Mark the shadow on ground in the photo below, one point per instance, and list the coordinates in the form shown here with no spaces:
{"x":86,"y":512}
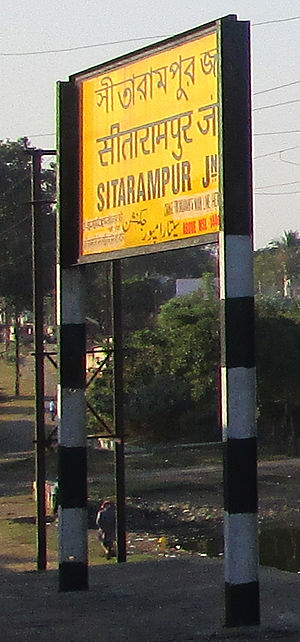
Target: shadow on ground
{"x":16,"y":410}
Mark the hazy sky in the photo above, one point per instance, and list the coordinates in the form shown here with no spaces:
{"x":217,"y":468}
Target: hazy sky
{"x":28,"y":81}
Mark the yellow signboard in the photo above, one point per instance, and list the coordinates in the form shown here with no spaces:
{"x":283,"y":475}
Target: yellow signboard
{"x":149,"y":149}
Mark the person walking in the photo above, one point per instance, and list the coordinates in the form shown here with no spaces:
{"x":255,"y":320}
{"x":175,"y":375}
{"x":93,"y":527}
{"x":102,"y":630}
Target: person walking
{"x":52,"y":409}
{"x":106,"y":522}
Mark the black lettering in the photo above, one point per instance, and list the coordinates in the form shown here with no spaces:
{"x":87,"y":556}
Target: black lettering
{"x":141,"y":195}
{"x":153,"y":184}
{"x":165,"y":179}
{"x":175,"y":173}
{"x":101,"y":202}
{"x":121,"y":198}
{"x":130,"y":190}
{"x":107,"y":196}
{"x":186,"y":178}
{"x":114,"y":184}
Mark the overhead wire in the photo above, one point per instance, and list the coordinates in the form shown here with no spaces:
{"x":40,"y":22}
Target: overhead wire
{"x":25,"y":256}
{"x":284,"y":85}
{"x":284,"y":160}
{"x":277,"y":185}
{"x":287,"y":84}
{"x":293,"y":18}
{"x":290,"y":131}
{"x":278,"y":151}
{"x":276,"y":193}
{"x":124,"y":41}
{"x":271,"y":22}
{"x":287,"y":102}
{"x":66,"y":49}
{"x":9,"y":229}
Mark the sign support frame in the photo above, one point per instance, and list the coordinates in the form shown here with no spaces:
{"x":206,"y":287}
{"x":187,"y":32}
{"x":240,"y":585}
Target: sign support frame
{"x":118,"y":397}
{"x":238,"y":404}
{"x":72,"y":441}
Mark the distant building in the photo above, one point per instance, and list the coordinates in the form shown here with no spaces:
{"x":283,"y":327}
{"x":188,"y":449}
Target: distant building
{"x":186,"y":286}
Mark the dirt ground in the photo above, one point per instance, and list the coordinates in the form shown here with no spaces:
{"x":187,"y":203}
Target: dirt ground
{"x":172,"y":509}
{"x":185,"y":516}
{"x":191,"y":514}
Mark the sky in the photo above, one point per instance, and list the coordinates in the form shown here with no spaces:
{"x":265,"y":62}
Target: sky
{"x":28,"y":78}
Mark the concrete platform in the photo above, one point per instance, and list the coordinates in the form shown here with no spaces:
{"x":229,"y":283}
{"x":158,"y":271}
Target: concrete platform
{"x":168,"y":600}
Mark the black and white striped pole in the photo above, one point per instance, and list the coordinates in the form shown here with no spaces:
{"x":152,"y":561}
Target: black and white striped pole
{"x":238,"y":407}
{"x":72,"y":454}
{"x":72,"y":466}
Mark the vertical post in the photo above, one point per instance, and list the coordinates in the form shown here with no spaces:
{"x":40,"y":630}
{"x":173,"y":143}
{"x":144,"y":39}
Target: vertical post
{"x":118,"y":408}
{"x":72,"y":455}
{"x":17,"y":356}
{"x":39,"y":357}
{"x":238,"y":404}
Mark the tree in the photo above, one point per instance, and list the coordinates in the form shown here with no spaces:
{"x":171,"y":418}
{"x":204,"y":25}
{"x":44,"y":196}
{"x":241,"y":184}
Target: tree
{"x":15,"y":225}
{"x":148,"y":281}
{"x":171,"y":374}
{"x":278,"y":265}
{"x":278,"y":372}
{"x":181,"y":263}
{"x":16,"y":233}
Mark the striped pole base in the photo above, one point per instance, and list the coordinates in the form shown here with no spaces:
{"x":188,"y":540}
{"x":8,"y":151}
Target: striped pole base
{"x":72,"y":452}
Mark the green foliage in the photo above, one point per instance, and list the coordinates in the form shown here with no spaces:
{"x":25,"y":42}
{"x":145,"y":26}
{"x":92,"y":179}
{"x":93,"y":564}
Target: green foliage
{"x":171,"y":361}
{"x":190,"y":326}
{"x":100,"y":396}
{"x":278,"y":261}
{"x":278,"y":369}
{"x":9,"y":356}
{"x":170,"y":374}
{"x":182,"y":263}
{"x":148,"y":281}
{"x":15,"y":225}
{"x":154,"y":408}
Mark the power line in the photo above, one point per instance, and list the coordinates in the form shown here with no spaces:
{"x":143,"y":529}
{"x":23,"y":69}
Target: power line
{"x":278,"y":185}
{"x":288,"y":102}
{"x":99,"y":44}
{"x":276,"y":193}
{"x":117,"y":42}
{"x":271,"y":22}
{"x":278,"y":151}
{"x":40,"y":135}
{"x":290,"y":131}
{"x":283,"y":160}
{"x":25,"y":256}
{"x":265,"y":91}
{"x":3,"y":234}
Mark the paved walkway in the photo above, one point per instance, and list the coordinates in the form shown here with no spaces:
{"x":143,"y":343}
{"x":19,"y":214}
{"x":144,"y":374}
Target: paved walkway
{"x":168,"y":600}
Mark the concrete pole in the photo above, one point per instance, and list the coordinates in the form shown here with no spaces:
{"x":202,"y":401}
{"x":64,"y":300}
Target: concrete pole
{"x":238,"y":403}
{"x":239,"y":434}
{"x":72,"y":456}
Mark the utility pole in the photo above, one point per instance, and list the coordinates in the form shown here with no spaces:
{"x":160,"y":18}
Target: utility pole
{"x":17,"y":356}
{"x":118,"y":402}
{"x":38,"y":313}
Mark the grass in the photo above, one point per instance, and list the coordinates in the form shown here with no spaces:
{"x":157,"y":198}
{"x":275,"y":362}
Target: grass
{"x":18,"y":532}
{"x":18,"y":537}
